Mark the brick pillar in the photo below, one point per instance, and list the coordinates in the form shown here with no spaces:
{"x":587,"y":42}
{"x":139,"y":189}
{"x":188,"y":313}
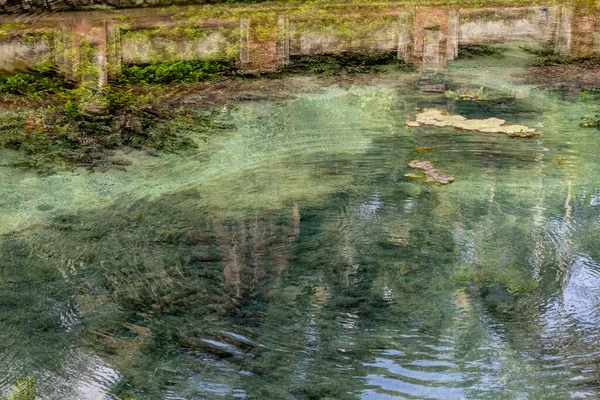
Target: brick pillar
{"x":431,"y":24}
{"x":452,"y":35}
{"x":562,"y":36}
{"x":431,"y":48}
{"x":584,"y":29}
{"x":264,"y":43}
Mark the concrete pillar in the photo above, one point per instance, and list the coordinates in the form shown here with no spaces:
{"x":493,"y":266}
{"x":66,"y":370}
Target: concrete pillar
{"x":431,"y":25}
{"x":406,"y":21}
{"x":283,"y":41}
{"x":453,"y":34}
{"x":431,"y":60}
{"x":244,"y":39}
{"x":562,"y":37}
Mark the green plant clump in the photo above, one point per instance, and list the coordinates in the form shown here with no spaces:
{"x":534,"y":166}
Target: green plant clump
{"x":347,"y":63}
{"x":546,"y":55}
{"x":23,"y":390}
{"x":31,"y":83}
{"x":180,"y":71}
{"x":50,"y":138}
{"x":487,"y":276}
{"x":591,"y":94}
{"x":591,"y":122}
{"x":478,"y":50}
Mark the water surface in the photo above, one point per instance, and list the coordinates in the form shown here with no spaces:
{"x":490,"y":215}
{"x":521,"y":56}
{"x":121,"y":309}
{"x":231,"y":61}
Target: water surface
{"x":289,"y":257}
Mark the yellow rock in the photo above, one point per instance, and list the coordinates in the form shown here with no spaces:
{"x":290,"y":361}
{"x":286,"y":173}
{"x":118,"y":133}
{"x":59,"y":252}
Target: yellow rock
{"x":441,"y":118}
{"x":432,"y":175}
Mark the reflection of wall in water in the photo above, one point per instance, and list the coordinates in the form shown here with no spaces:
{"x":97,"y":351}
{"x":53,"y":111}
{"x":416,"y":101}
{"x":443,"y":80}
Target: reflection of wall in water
{"x":18,"y":53}
{"x":264,"y":40}
{"x":334,"y":36}
{"x":497,"y":25}
{"x":147,"y":46}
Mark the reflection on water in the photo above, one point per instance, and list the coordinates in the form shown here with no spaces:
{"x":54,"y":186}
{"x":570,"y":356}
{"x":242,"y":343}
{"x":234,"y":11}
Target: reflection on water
{"x":288,"y":256}
{"x":265,"y":39}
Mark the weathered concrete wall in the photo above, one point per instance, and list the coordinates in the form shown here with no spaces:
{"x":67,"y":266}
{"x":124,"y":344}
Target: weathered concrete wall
{"x":145,"y":47}
{"x":18,"y":53}
{"x":308,"y":38}
{"x":263,"y":40}
{"x":496,"y":26}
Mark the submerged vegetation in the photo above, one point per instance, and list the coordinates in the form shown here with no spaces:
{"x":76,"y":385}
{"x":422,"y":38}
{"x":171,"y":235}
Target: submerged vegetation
{"x":86,"y":133}
{"x":591,"y":122}
{"x":179,"y":71}
{"x":467,"y":94}
{"x":66,"y":126}
{"x":348,"y":63}
{"x":24,"y":390}
{"x":547,"y":55}
{"x":589,"y":94}
{"x":32,"y":83}
{"x":481,"y":50}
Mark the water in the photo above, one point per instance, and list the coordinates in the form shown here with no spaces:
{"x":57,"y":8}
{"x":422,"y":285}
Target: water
{"x":289,"y":257}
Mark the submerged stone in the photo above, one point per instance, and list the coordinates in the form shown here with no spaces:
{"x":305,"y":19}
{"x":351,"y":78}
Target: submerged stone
{"x":441,"y":118}
{"x":45,"y":207}
{"x":431,"y":174}
{"x":410,"y":175}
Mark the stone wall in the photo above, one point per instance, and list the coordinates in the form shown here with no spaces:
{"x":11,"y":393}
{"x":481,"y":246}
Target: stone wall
{"x":139,"y":47}
{"x":18,"y":55}
{"x":24,"y":6}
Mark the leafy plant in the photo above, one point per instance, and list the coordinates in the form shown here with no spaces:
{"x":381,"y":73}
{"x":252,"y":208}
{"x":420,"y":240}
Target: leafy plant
{"x":23,"y":390}
{"x":591,"y":122}
{"x":31,"y":83}
{"x":180,"y":71}
{"x":547,"y":55}
{"x":590,"y":94}
{"x":478,"y":50}
{"x":347,"y":63}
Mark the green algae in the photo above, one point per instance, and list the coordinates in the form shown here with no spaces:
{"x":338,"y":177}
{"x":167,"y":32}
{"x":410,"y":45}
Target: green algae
{"x":547,"y":55}
{"x":52,"y":140}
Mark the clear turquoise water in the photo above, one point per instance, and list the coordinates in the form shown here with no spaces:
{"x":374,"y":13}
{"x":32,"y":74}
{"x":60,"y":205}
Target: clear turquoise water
{"x":288,"y":257}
